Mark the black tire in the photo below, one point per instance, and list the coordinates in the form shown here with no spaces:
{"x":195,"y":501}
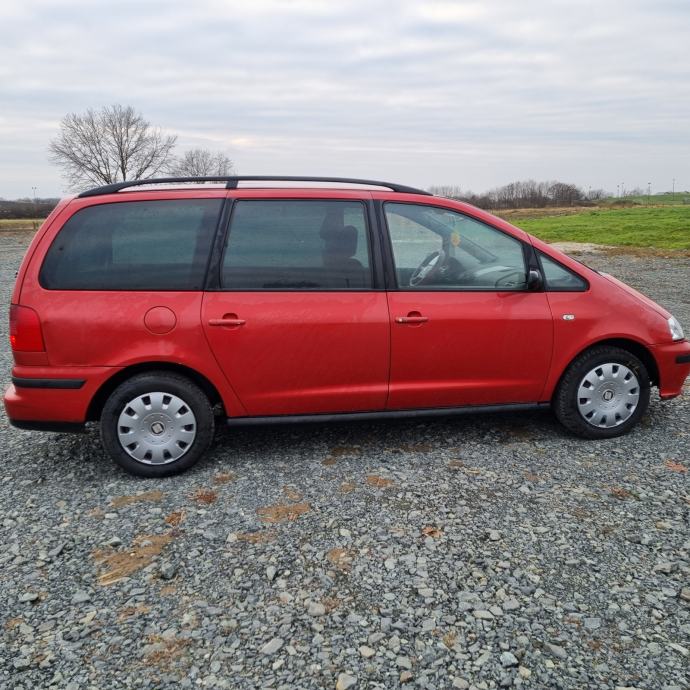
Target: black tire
{"x":167,"y":383}
{"x":565,"y":400}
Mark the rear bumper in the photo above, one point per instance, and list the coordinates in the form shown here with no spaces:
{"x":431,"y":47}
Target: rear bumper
{"x":50,"y":398}
{"x":63,"y":427}
{"x":673,"y":360}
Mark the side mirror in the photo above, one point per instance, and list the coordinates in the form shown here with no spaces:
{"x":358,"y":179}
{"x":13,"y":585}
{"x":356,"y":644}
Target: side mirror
{"x":534,"y":280}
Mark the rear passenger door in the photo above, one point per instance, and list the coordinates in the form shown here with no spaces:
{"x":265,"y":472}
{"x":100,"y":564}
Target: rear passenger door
{"x":295,"y":321}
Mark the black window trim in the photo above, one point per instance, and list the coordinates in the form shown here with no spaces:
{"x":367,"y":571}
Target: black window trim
{"x":391,"y":274}
{"x":209,"y":261}
{"x":215,"y":282}
{"x":538,"y":253}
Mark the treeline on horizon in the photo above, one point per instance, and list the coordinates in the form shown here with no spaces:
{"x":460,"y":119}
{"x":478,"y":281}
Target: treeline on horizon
{"x":521,"y":194}
{"x":26,"y":208}
{"x":526,"y":194}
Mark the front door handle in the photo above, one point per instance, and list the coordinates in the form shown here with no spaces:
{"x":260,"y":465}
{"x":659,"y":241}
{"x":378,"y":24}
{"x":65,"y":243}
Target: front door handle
{"x":412,"y":317}
{"x":228,"y":321}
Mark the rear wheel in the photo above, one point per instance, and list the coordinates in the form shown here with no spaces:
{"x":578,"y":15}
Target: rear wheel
{"x":157,"y":424}
{"x":603,"y":393}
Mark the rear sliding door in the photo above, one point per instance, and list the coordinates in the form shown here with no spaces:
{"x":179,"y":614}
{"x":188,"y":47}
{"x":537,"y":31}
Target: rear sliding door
{"x":296,"y":326}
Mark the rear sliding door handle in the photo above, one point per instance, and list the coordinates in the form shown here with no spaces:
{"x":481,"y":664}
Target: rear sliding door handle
{"x":227,"y":322}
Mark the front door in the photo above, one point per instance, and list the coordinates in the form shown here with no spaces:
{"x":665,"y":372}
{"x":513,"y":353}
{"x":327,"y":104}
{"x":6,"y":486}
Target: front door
{"x":465,"y":330}
{"x":296,"y":326}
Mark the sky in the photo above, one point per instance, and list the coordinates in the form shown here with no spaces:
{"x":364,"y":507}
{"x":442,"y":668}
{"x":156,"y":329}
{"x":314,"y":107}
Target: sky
{"x":473,"y":94}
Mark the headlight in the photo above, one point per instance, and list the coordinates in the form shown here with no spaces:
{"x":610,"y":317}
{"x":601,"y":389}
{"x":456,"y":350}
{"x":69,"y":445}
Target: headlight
{"x":676,"y":329}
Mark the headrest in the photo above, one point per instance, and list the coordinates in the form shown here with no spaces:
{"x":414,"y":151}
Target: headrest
{"x":340,"y":242}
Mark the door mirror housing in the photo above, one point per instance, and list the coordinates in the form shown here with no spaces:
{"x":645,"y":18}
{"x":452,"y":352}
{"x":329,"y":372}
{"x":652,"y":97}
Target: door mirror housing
{"x":534,"y":280}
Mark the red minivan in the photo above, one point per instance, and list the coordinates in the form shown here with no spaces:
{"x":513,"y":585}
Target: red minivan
{"x":156,"y":306}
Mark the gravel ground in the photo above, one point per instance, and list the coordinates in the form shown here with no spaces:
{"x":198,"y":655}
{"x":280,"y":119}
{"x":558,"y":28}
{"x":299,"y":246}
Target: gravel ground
{"x":485,"y":551}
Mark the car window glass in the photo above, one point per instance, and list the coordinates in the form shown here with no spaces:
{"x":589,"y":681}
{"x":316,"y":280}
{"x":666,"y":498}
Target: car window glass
{"x":558,"y":278}
{"x":297,"y":244}
{"x":133,"y":245}
{"x":434,"y":248}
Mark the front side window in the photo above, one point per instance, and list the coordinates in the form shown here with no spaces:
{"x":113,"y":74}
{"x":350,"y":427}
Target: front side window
{"x":133,"y":245}
{"x":558,"y":278}
{"x":435,"y":248}
{"x":297,"y":245}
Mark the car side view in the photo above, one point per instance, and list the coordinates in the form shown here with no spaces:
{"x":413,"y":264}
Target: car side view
{"x":159,"y":307}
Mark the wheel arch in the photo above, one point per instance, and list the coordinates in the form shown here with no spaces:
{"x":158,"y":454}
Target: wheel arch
{"x":95,"y":408}
{"x":633,"y":346}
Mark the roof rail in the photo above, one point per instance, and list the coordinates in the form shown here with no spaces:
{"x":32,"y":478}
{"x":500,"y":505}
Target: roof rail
{"x":232,"y":183}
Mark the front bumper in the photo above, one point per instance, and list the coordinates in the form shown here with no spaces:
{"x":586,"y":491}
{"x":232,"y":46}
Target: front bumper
{"x":673,"y":361}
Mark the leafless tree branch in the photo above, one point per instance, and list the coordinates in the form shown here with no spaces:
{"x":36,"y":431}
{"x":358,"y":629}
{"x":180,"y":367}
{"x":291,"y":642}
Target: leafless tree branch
{"x":200,"y":163}
{"x":110,"y":145}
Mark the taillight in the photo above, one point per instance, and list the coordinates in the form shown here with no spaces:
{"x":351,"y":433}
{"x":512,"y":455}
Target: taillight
{"x":25,"y":330}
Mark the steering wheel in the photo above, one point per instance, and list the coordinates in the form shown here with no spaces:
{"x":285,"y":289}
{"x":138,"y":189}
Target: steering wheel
{"x":429,"y":268}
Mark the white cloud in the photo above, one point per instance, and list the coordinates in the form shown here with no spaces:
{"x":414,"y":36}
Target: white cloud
{"x":424,"y":92}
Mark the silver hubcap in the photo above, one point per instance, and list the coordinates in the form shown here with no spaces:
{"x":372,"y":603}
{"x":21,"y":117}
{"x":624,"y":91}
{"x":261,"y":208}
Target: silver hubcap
{"x":156,"y":428}
{"x":608,"y":395}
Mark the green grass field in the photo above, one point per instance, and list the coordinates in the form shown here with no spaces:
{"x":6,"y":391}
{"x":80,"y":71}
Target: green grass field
{"x":660,"y":227}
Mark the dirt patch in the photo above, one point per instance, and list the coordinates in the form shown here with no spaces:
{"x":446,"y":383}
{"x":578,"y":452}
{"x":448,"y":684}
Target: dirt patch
{"x":175,"y":518}
{"x":675,"y":466}
{"x":292,"y":494}
{"x":282,"y":512}
{"x":610,"y":250}
{"x":166,"y":650}
{"x":132,"y":612}
{"x":224,"y":478}
{"x":379,"y":482}
{"x":115,"y":565}
{"x":205,"y":496}
{"x":581,"y":247}
{"x":340,"y":559}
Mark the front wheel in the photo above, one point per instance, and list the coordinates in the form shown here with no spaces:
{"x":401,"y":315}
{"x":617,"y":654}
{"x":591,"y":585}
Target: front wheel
{"x":603,"y":393}
{"x":157,"y":424}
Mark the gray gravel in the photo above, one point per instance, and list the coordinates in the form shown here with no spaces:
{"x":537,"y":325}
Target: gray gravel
{"x":477,"y":552}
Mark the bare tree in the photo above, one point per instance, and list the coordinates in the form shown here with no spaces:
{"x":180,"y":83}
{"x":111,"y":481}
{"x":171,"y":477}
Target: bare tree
{"x":524,"y":194}
{"x":447,"y":190}
{"x":109,"y":145}
{"x":200,"y":163}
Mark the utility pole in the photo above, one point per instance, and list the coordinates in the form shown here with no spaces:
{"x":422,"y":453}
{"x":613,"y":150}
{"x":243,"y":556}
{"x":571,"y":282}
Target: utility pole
{"x":33,"y":191}
{"x":649,"y":193}
{"x":673,"y":191}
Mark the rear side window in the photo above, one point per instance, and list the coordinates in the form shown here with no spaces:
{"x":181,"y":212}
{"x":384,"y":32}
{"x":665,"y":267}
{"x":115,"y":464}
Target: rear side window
{"x":297,"y":245}
{"x":133,"y":245}
{"x":560,"y":279}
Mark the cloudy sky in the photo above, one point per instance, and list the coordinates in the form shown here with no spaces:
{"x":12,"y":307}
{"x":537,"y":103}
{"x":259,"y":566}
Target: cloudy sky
{"x":423,"y":92}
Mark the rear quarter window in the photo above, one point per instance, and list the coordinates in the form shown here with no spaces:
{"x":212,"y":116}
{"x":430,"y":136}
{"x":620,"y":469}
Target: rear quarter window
{"x":137,"y":245}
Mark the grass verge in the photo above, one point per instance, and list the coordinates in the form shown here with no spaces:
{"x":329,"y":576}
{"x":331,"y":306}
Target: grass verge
{"x":20,"y":223}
